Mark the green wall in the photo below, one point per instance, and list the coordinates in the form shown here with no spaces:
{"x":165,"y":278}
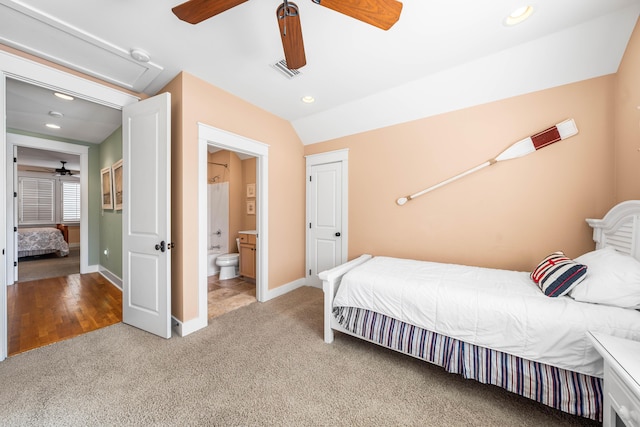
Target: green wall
{"x":110,"y":220}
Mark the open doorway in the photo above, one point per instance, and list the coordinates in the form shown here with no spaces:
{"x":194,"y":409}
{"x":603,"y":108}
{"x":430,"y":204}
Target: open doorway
{"x":48,"y":181}
{"x":210,"y":136}
{"x":231,"y":231}
{"x":16,"y":67}
{"x":48,"y":219}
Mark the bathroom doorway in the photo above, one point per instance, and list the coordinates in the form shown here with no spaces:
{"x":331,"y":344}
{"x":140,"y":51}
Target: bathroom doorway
{"x":209,"y":135}
{"x":231,"y":230}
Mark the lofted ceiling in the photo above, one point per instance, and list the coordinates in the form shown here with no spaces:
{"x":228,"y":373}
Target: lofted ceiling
{"x":440,"y":56}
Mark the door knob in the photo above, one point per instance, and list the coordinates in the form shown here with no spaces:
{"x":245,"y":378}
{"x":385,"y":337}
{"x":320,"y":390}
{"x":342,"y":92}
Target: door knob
{"x":338,"y":234}
{"x":160,"y":247}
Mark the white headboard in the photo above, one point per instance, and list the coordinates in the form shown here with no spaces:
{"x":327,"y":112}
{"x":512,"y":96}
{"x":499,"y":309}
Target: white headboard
{"x":620,"y":228}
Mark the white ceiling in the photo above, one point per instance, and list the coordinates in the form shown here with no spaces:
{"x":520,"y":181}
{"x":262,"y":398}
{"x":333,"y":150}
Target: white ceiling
{"x":442,"y":55}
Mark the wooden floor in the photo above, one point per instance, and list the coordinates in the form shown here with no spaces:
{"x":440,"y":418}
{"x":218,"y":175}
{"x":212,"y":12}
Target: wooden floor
{"x":45,"y":311}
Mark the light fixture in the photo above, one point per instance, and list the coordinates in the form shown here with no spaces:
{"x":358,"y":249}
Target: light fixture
{"x":52,"y":126}
{"x":308,"y":99}
{"x":518,"y":15}
{"x":56,"y":114}
{"x":139,"y":55}
{"x":64,"y":96}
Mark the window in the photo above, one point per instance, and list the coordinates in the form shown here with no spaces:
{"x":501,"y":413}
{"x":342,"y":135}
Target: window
{"x":48,"y":200}
{"x":70,"y":201}
{"x":36,"y":202}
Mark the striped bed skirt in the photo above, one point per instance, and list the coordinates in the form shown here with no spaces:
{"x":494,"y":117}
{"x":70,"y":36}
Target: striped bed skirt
{"x":568,"y":391}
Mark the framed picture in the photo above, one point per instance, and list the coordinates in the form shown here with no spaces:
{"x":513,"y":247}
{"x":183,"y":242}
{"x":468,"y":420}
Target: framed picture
{"x":251,"y":207}
{"x":107,"y":193}
{"x":251,"y":190}
{"x":116,"y":170}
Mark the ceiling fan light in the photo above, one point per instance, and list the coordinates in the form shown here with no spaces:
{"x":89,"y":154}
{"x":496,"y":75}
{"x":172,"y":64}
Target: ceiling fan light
{"x":518,"y":15}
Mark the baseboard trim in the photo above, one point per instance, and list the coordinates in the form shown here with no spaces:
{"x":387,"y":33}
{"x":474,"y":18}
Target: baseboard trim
{"x":95,"y":268}
{"x":115,"y":280}
{"x":284,"y":289}
{"x":190,"y":326}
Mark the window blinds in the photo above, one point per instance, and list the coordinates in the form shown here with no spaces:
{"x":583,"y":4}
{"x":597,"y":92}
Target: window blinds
{"x":70,"y":201}
{"x":36,"y":201}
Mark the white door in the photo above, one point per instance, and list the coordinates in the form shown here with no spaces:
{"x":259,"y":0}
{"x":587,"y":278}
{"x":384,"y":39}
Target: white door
{"x":15,"y":214}
{"x":325,"y":219}
{"x":146,"y":217}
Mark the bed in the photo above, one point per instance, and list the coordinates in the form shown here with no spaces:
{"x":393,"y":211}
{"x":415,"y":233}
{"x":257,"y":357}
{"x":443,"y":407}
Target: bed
{"x":500,"y":327}
{"x":43,"y":240}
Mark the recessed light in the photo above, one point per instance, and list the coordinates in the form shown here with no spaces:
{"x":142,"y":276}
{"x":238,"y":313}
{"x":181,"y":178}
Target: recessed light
{"x":52,"y":126}
{"x":56,"y":114}
{"x":308,"y":99}
{"x":518,"y":15}
{"x":64,"y":96}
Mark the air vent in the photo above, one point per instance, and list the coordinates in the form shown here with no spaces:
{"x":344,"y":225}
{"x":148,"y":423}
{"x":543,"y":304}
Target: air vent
{"x":281,"y":66}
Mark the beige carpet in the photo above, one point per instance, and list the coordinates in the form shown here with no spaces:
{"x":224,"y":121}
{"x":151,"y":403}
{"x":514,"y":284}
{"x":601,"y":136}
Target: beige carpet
{"x":49,"y":265}
{"x":263,"y":364}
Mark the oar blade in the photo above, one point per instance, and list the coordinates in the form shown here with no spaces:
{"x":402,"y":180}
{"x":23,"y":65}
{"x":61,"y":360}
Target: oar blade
{"x":562,"y":130}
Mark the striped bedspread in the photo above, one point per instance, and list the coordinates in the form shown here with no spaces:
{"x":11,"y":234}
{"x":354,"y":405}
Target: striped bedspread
{"x":568,"y":391}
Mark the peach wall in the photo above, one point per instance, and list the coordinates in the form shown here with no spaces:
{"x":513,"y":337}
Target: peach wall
{"x":177,"y":218}
{"x":248,"y":177}
{"x":627,"y":122}
{"x":509,"y":215}
{"x":236,"y":200}
{"x":74,"y":234}
{"x":221,"y":156}
{"x":202,"y":102}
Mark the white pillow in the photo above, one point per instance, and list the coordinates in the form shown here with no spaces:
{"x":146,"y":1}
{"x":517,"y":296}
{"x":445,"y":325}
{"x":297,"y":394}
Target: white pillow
{"x":612,"y":278}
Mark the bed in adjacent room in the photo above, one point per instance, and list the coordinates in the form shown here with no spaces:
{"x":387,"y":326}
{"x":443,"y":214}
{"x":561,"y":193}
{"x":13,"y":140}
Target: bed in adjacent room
{"x":43,"y":240}
{"x":523,"y":331}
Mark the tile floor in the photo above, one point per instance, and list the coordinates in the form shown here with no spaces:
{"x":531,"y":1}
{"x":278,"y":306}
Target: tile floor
{"x":227,"y":295}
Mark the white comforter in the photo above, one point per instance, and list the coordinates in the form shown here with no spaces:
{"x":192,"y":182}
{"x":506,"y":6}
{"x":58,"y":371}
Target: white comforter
{"x":499,"y":309}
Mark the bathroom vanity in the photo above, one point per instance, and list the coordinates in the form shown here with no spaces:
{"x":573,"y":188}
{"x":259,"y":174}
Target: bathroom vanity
{"x":248,"y":253}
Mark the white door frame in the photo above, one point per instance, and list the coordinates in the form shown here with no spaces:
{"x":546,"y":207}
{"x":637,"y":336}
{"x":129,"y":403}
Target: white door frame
{"x":321,"y":159}
{"x":208,"y":135}
{"x":39,"y":74}
{"x":15,"y":140}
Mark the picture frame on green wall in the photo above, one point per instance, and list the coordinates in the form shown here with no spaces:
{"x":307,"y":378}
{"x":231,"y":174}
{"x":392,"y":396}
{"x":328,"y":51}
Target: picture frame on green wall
{"x":106,"y":187}
{"x":117,"y":185}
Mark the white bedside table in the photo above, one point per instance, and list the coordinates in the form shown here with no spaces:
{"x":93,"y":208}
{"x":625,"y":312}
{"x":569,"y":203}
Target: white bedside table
{"x":621,"y":379}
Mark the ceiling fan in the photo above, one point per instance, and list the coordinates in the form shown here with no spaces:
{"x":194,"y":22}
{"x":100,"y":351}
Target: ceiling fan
{"x":379,"y":13}
{"x":63,"y":171}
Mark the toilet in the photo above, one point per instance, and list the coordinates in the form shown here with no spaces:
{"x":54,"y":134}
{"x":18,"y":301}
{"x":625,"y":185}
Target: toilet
{"x":228,"y":264}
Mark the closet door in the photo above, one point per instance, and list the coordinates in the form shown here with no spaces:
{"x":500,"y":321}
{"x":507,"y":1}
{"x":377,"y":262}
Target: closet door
{"x":326,"y":214}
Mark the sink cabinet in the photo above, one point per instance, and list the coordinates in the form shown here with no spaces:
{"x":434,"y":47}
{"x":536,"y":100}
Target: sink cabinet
{"x":248,"y":255}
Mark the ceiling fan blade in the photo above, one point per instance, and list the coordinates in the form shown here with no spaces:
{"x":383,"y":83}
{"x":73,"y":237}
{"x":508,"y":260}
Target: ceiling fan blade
{"x":291,"y":35}
{"x":379,"y":13}
{"x":195,"y":11}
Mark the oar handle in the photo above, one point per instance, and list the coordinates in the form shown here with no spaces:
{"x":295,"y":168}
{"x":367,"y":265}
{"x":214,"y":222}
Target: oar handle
{"x":402,"y":200}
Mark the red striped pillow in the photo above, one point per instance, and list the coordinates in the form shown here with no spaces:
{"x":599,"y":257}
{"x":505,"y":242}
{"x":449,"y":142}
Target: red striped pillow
{"x":557,"y":274}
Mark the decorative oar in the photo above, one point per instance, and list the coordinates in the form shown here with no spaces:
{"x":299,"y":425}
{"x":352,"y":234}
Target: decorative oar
{"x":521,"y":148}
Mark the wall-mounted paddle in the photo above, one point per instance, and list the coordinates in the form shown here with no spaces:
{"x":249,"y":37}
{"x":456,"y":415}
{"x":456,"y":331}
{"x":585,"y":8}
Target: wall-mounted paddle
{"x":521,"y":148}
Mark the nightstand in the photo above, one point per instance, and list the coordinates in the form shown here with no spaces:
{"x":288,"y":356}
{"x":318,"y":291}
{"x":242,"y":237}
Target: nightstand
{"x":621,"y":379}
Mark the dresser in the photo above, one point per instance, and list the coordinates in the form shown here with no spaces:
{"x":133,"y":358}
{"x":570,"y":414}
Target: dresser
{"x":621,"y":379}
